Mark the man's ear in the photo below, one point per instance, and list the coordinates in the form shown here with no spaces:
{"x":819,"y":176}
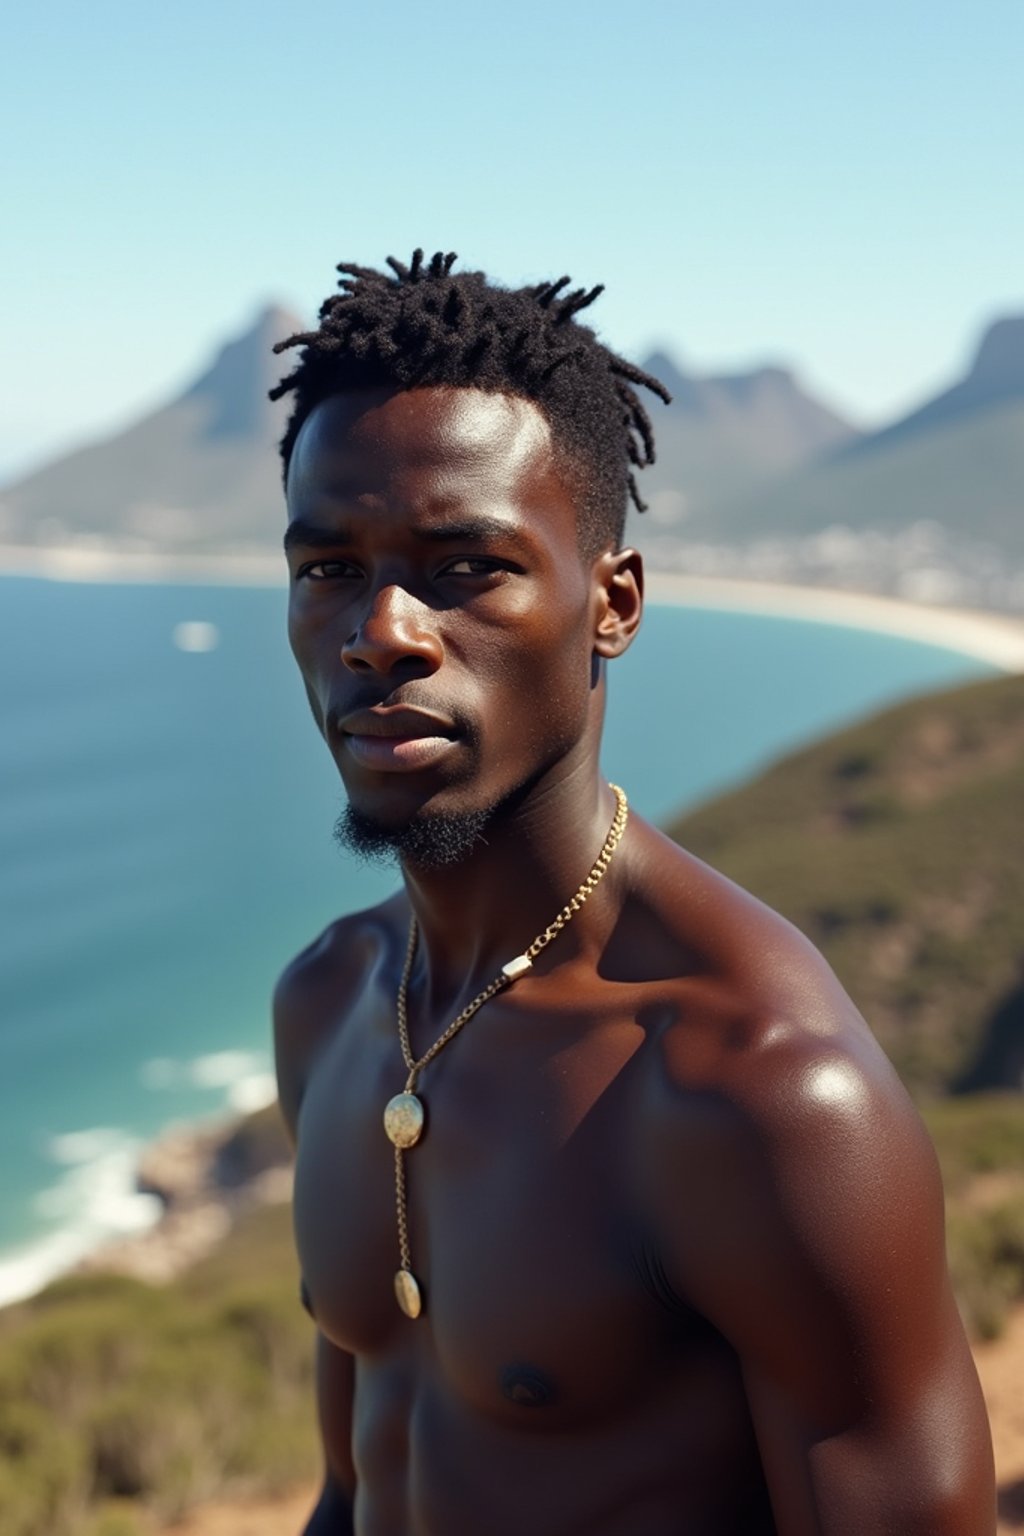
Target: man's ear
{"x":619,"y":600}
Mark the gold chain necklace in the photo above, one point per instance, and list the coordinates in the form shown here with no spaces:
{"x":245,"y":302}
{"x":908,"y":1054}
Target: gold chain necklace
{"x":404,"y":1117}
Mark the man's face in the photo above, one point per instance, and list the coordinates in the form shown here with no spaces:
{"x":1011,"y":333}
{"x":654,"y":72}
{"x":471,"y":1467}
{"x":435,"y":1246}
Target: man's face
{"x":441,"y":612}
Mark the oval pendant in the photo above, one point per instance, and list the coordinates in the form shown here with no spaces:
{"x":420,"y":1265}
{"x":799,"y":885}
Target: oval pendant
{"x":407,"y":1293}
{"x":404,"y":1119}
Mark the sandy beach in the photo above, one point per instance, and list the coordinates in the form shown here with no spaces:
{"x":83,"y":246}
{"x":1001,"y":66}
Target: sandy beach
{"x":991,"y":637}
{"x":997,"y":639}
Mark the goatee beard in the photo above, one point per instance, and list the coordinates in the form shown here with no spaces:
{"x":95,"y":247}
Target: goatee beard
{"x":426,"y":841}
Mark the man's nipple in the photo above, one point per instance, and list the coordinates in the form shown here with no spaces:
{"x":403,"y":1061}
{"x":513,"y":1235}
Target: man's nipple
{"x":527,"y":1387}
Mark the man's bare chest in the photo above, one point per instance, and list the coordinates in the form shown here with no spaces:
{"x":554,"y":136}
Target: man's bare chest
{"x":524,"y":1229}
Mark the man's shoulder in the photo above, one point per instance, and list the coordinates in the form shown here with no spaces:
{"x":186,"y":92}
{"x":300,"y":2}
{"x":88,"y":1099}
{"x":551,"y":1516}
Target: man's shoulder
{"x":723,"y":942}
{"x":338,"y":958}
{"x":775,"y":1126}
{"x":760,"y":1024}
{"x":318,"y":989}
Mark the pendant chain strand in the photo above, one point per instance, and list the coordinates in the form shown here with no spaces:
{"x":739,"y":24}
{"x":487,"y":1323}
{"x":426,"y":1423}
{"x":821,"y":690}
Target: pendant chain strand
{"x":404,"y":1117}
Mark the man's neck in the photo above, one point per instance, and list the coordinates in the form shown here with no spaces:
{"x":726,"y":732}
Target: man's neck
{"x":476,"y":915}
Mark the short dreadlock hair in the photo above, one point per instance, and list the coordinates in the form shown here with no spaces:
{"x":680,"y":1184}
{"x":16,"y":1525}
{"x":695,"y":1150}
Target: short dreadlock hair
{"x":420,"y":325}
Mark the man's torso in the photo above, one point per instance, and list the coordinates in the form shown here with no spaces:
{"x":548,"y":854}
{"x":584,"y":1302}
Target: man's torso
{"x":557,"y":1381}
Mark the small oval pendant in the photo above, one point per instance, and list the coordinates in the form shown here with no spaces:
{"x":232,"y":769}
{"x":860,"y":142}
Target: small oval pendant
{"x":403,"y":1120}
{"x":407,"y":1293}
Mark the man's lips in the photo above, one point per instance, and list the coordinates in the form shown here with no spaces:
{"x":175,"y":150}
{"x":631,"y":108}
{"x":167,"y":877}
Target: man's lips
{"x":395,"y":738}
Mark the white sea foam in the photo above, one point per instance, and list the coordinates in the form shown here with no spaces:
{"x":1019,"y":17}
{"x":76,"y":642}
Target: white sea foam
{"x":221,"y":1069}
{"x":84,"y":1146}
{"x":94,"y":1200}
{"x":253,"y":1092}
{"x":243,"y":1077}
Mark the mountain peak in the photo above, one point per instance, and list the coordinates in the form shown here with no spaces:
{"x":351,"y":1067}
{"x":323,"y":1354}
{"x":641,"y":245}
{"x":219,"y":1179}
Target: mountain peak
{"x":235,"y":385}
{"x":999,"y":360}
{"x":995,"y":376}
{"x":664,"y":367}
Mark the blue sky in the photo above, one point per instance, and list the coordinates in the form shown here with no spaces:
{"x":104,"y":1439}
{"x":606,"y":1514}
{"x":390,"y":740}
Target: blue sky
{"x":835,"y":187}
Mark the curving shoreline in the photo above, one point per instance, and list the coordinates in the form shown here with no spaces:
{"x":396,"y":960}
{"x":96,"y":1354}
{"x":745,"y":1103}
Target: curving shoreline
{"x":196,"y":1179}
{"x":990,"y":637}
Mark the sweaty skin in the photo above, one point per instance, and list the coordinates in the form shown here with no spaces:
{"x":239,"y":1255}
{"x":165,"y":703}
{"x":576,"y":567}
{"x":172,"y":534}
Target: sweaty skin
{"x":678,"y":1228}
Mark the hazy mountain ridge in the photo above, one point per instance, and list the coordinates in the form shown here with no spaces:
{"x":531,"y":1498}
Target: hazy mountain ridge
{"x":198,"y":474}
{"x":727,"y":433}
{"x":995,"y":378}
{"x":929,"y":507}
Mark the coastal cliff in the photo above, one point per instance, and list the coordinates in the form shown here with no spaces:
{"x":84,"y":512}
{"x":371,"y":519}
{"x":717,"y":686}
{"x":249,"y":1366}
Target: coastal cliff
{"x":207,"y":1178}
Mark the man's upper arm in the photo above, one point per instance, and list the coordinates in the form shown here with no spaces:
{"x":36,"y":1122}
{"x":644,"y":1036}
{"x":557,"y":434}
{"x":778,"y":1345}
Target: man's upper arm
{"x":290,"y":1042}
{"x":335,"y":1383}
{"x":817,"y":1249}
{"x":310,"y":999}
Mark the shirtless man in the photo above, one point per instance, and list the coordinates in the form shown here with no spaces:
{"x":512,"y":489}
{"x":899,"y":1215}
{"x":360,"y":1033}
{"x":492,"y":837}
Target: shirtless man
{"x":670,"y":1245}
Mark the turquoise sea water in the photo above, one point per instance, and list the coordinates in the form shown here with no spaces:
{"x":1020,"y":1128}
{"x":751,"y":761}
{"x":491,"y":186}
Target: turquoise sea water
{"x":165,"y":820}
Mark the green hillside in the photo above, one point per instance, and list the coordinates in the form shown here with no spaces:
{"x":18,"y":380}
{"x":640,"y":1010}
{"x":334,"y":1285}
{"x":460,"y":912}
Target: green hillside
{"x":123,"y":1404}
{"x":896,"y":846}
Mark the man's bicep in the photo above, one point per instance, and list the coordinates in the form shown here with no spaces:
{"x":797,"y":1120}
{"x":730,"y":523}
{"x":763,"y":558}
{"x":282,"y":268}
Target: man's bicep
{"x":823,"y":1264}
{"x":924,"y":1469}
{"x":335,"y":1383}
{"x":305,"y":997}
{"x":286,"y":1015}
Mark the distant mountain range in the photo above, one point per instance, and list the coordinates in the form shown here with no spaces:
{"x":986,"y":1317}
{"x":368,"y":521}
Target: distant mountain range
{"x":929,"y":507}
{"x":724,"y":434}
{"x":754,"y":477}
{"x":199,"y":475}
{"x":957,"y":461}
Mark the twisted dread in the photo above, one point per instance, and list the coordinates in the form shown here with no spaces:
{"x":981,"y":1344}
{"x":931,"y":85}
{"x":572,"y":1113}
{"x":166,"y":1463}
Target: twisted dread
{"x":418,"y":325}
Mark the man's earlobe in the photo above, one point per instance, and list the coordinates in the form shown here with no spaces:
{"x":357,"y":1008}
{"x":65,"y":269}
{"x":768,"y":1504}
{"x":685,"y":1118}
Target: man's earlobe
{"x":619,"y":596}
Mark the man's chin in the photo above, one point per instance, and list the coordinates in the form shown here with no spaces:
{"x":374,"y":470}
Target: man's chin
{"x":427,"y":840}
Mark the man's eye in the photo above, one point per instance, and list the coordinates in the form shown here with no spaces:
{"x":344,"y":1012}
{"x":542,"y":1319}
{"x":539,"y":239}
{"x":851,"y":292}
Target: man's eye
{"x":470,"y":565}
{"x":328,"y":570}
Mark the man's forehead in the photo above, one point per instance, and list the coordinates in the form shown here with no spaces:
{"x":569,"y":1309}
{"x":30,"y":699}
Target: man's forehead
{"x":436,"y":425}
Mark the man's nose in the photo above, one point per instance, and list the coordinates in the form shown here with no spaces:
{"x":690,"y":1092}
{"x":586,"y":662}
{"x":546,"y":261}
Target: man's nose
{"x":396,"y":629}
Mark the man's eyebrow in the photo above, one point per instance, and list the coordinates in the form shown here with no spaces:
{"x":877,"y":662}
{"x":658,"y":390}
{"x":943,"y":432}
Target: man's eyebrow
{"x":299,"y":531}
{"x":470,"y":530}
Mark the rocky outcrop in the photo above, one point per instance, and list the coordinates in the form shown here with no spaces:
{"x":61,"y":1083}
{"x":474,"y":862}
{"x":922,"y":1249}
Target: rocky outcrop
{"x":205,"y":1178}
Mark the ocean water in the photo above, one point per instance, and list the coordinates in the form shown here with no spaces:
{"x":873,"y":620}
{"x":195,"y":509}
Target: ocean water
{"x":165,"y":817}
